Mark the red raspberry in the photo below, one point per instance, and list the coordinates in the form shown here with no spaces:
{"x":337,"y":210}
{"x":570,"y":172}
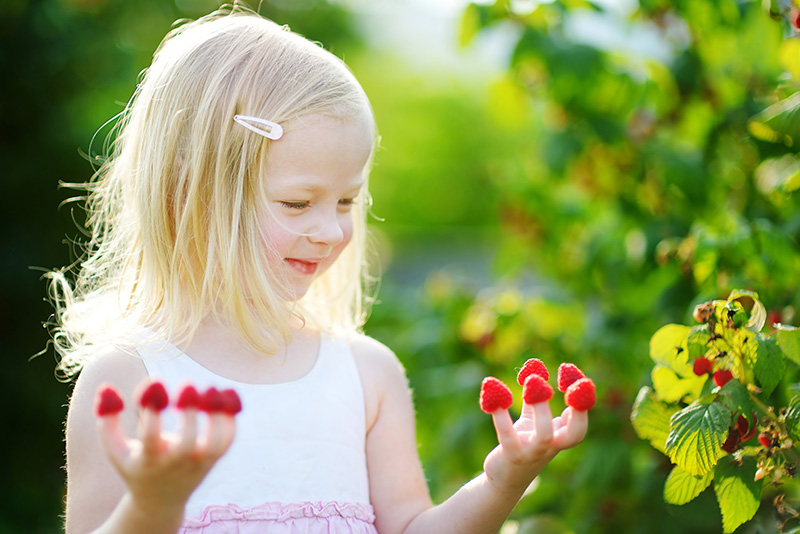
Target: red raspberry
{"x":722,"y":377}
{"x":188,"y":398}
{"x":154,"y":397}
{"x":532,"y":366}
{"x":765,"y":440}
{"x":567,"y":374}
{"x":211,"y":401}
{"x":231,"y":404}
{"x":536,"y":390}
{"x":495,"y":395}
{"x":732,"y":443}
{"x":746,"y":431}
{"x":580,"y":395}
{"x":702,"y":366}
{"x":107,"y":401}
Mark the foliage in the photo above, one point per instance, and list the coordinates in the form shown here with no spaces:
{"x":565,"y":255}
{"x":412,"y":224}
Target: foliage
{"x":715,"y":386}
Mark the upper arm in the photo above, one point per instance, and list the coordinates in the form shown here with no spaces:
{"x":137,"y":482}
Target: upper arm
{"x":398,"y":489}
{"x":93,"y":486}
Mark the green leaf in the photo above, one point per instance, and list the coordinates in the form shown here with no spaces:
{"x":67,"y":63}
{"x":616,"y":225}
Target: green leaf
{"x":769,"y":365}
{"x":739,"y":399}
{"x":793,"y":419}
{"x":779,"y":122}
{"x":470,"y":25}
{"x":696,"y":435}
{"x":681,"y":487}
{"x":650,"y":418}
{"x":672,"y":388}
{"x":789,"y":342}
{"x":668,"y":348}
{"x":758,"y":314}
{"x":738,"y":494}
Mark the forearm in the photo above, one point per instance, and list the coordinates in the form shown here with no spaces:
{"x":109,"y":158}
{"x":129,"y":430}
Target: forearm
{"x":130,"y":517}
{"x":479,"y":507}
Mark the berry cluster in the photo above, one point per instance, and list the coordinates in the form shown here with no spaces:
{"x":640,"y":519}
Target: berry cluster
{"x":154,"y":397}
{"x":579,"y":391}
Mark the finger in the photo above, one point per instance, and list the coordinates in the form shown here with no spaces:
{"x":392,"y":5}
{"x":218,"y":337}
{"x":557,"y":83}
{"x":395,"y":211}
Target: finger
{"x":113,"y":438}
{"x":219,"y":434}
{"x":187,"y":441}
{"x":543,"y":423}
{"x":573,"y":432}
{"x":504,"y":427}
{"x":150,"y":431}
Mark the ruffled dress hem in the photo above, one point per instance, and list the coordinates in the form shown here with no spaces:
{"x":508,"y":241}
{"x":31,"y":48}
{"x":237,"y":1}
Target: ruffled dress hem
{"x":331,"y":517}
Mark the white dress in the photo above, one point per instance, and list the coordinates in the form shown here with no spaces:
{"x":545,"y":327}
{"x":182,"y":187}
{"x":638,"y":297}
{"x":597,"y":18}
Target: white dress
{"x":298,"y":461}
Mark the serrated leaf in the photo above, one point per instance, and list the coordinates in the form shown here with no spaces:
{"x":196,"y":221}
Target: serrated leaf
{"x":650,"y":418}
{"x":671,"y":388}
{"x":697,"y":342}
{"x":738,"y":494}
{"x":668,"y":348}
{"x":681,"y":487}
{"x":696,"y":435}
{"x":769,"y":364}
{"x":789,"y":342}
{"x":793,"y":419}
{"x":739,"y":400}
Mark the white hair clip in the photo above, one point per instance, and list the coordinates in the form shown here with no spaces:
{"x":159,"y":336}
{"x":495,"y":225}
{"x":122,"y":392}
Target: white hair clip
{"x":273,"y":130}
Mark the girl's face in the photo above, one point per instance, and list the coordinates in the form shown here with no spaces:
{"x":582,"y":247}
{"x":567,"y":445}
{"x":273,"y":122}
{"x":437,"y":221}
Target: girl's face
{"x":314,"y":174}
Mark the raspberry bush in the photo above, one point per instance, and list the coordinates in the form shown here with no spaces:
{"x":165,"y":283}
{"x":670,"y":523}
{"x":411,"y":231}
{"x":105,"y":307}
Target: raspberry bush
{"x":703,"y":414}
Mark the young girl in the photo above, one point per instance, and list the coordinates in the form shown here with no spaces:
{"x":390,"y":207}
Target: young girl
{"x":228,"y":237}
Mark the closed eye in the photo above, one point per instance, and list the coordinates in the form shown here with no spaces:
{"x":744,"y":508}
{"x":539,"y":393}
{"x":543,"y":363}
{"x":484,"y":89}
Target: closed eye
{"x":347,"y":202}
{"x":295,"y":205}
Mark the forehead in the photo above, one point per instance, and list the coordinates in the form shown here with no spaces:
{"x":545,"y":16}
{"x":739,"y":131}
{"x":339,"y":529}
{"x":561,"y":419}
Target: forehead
{"x":319,"y":151}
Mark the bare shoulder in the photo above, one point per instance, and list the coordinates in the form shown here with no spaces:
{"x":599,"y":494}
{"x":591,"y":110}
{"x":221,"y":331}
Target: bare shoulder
{"x":381,"y":373}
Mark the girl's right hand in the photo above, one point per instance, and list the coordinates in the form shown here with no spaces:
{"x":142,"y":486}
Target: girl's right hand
{"x":161,"y":470}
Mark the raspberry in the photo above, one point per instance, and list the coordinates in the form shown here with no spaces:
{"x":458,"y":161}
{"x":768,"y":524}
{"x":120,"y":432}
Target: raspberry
{"x":495,"y":395}
{"x":532,"y":366}
{"x":567,"y":374}
{"x":765,"y":440}
{"x":536,"y":390}
{"x":231,"y":404}
{"x":211,"y":401}
{"x":722,"y":377}
{"x":746,"y":432}
{"x":702,"y":366}
{"x":732,"y":443}
{"x":580,"y":395}
{"x":188,"y":398}
{"x":154,"y":397}
{"x":107,"y":401}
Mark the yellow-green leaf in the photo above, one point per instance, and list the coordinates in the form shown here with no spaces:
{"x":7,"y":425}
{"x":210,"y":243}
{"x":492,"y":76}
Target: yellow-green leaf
{"x":738,"y":494}
{"x":671,"y":388}
{"x":650,"y":418}
{"x":681,"y":487}
{"x":668,"y":348}
{"x":696,"y":435}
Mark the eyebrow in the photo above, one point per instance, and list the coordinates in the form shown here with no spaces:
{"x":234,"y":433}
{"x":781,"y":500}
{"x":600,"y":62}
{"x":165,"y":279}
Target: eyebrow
{"x":313,"y":188}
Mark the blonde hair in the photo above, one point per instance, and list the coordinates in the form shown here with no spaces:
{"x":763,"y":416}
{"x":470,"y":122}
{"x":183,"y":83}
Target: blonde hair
{"x":174,"y":210}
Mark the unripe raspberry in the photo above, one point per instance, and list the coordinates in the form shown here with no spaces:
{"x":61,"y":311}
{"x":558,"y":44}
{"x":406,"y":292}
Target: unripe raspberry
{"x":702,"y":366}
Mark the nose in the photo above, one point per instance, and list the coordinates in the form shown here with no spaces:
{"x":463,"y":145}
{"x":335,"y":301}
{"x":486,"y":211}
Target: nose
{"x":330,"y":229}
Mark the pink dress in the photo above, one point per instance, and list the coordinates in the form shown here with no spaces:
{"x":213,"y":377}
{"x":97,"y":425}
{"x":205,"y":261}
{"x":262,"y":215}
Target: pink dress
{"x":298,"y":462}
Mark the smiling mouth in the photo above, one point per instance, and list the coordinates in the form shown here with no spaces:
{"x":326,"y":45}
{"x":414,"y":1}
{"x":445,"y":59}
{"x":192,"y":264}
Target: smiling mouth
{"x":302,"y":266}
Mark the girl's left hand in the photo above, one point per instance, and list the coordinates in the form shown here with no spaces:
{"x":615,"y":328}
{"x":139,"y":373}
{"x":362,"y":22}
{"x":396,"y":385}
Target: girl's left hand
{"x":527,"y":445}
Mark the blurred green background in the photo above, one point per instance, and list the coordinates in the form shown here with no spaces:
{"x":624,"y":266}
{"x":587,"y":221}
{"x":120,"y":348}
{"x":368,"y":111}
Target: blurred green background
{"x":556,"y":179}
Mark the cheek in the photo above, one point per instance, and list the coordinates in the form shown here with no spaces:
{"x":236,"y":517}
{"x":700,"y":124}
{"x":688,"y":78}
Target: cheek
{"x":277,"y":237}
